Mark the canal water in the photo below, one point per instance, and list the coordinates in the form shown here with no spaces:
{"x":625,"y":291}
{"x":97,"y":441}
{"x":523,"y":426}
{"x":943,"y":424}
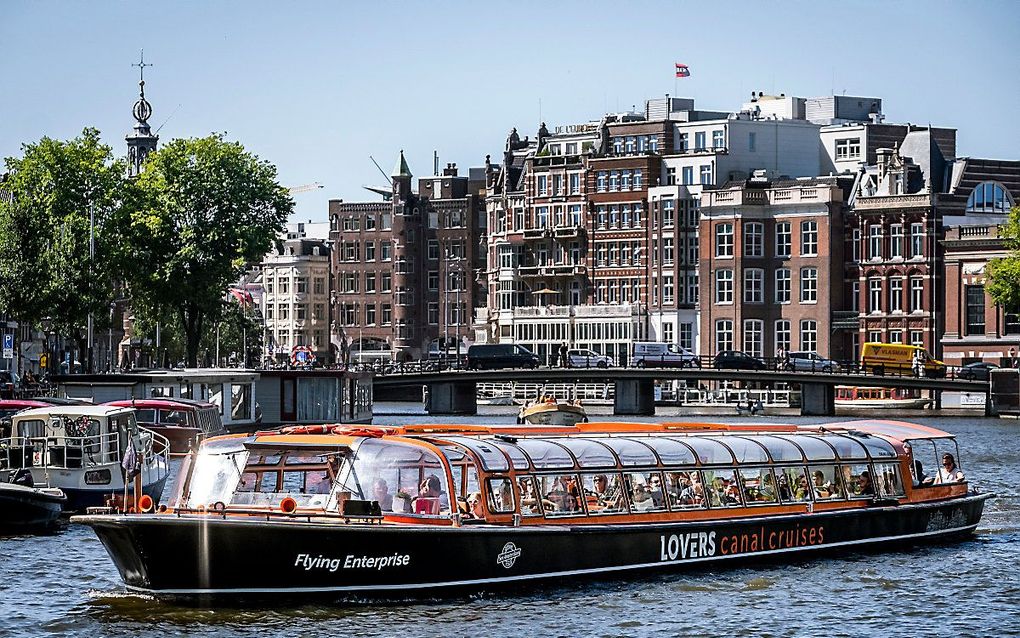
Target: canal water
{"x":65,"y":585}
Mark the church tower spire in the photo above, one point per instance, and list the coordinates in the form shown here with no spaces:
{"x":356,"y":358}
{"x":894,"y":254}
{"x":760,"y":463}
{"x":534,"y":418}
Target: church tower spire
{"x":140,"y":141}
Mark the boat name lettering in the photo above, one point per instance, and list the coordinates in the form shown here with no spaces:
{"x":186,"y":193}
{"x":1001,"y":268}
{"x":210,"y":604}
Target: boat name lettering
{"x":309,"y":562}
{"x":765,"y":539}
{"x":689,"y":545}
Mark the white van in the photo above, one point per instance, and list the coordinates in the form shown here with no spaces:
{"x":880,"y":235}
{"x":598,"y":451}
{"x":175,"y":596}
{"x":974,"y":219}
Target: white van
{"x":653,"y":354}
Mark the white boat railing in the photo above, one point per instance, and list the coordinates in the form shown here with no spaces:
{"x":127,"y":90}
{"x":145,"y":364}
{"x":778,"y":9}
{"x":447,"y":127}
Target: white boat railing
{"x":682,"y":395}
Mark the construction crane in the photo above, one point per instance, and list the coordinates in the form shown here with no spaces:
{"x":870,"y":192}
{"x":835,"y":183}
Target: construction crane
{"x":304,"y":188}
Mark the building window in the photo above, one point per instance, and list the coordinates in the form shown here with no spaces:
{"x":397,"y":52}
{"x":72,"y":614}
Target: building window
{"x":753,"y":329}
{"x":683,"y":142}
{"x":614,"y":180}
{"x":1011,"y":323}
{"x":754,"y":239}
{"x":433,"y":317}
{"x":387,"y":314}
{"x":784,"y":239}
{"x":752,"y":142}
{"x":808,"y":335}
{"x":724,"y":286}
{"x":808,"y":285}
{"x":433,"y":280}
{"x":855,"y":244}
{"x":575,"y":183}
{"x":667,"y":331}
{"x":975,"y":310}
{"x":687,"y":335}
{"x":754,"y":285}
{"x":896,"y":241}
{"x":667,"y":212}
{"x":433,"y":248}
{"x":896,"y":337}
{"x":874,"y":295}
{"x":783,"y":285}
{"x":699,"y":141}
{"x":989,"y":197}
{"x":369,"y":282}
{"x":848,"y":149}
{"x":809,"y":238}
{"x":600,"y":182}
{"x":637,"y":180}
{"x":718,"y":139}
{"x":783,"y":335}
{"x":723,"y":334}
{"x":917,"y":338}
{"x":895,"y":295}
{"x":875,"y":336}
{"x":687,"y":175}
{"x":916,"y":240}
{"x":385,"y":250}
{"x":916,"y":294}
{"x":387,"y":282}
{"x":667,"y":289}
{"x":370,"y":314}
{"x":855,"y":296}
{"x":543,"y":185}
{"x":667,"y":251}
{"x":706,"y":174}
{"x":724,"y":240}
{"x":874,"y":241}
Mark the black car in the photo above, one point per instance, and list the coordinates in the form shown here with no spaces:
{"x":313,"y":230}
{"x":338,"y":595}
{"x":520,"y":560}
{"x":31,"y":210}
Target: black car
{"x":977,"y":371}
{"x":736,"y":360}
{"x":500,"y":355}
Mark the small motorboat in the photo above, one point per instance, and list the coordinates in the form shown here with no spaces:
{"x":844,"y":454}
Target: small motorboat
{"x":548,"y":410}
{"x":27,"y":508}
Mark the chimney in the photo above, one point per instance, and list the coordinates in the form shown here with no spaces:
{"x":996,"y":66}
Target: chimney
{"x":450,"y":170}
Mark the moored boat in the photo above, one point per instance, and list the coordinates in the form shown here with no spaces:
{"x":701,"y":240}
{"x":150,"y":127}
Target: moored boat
{"x":24,"y":507}
{"x":91,"y":453}
{"x":879,"y":398}
{"x":548,"y":410}
{"x":183,"y":422}
{"x":368,"y":510}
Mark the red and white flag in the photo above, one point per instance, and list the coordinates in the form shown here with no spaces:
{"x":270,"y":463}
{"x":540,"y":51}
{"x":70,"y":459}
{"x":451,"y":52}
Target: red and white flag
{"x":682,"y":71}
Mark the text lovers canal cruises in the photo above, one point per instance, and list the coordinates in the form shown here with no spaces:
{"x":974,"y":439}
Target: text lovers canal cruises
{"x":336,"y":509}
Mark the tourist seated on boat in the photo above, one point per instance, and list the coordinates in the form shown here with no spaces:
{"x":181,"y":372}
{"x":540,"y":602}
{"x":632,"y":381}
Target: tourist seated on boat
{"x":429,"y":496}
{"x":949,"y":473}
{"x":602,"y":494}
{"x":864,"y":484}
{"x":655,"y":491}
{"x":641,"y":499}
{"x":323,"y":483}
{"x":801,"y":489}
{"x":564,"y":494}
{"x":381,"y":493}
{"x":474,"y":502}
{"x":920,"y":478}
{"x":822,"y":487}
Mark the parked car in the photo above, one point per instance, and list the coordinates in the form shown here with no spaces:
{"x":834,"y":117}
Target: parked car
{"x":977,"y":371}
{"x":500,"y":355}
{"x":736,"y":360}
{"x":588,"y":359}
{"x":810,"y":362}
{"x":663,"y":355}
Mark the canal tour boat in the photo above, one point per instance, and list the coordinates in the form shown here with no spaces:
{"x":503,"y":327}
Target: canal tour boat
{"x":184,"y":422}
{"x":347,"y":510}
{"x":879,"y":398}
{"x":92,"y":453}
{"x":548,"y":410}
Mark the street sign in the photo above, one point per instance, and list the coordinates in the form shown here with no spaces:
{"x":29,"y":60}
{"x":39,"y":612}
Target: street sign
{"x":8,"y":345}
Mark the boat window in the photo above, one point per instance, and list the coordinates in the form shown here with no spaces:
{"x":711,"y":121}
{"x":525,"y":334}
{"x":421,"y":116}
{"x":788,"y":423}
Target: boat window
{"x":671,"y":451}
{"x":794,"y":484}
{"x":858,"y":480}
{"x":517,"y":457}
{"x":545,"y":454}
{"x":415,"y":472}
{"x":171,"y":417}
{"x":887,"y":480}
{"x":779,"y":449}
{"x":745,"y":450}
{"x":645,"y":491}
{"x":307,"y":477}
{"x":31,"y":429}
{"x":589,"y":453}
{"x":685,"y":490}
{"x":709,"y":451}
{"x":501,"y":495}
{"x":531,"y":503}
{"x":215,"y":473}
{"x":492,"y":459}
{"x":603,"y":493}
{"x":722,"y":488}
{"x":145,"y":415}
{"x":759,"y":485}
{"x":630,"y":452}
{"x":825,"y":482}
{"x":846,"y":447}
{"x":561,"y":495}
{"x":877,"y":448}
{"x":814,"y":449}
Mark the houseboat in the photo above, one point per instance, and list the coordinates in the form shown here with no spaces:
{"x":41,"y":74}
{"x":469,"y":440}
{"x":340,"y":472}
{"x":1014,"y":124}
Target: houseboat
{"x":879,"y":398}
{"x":415,"y":509}
{"x":91,"y":453}
{"x":183,"y":422}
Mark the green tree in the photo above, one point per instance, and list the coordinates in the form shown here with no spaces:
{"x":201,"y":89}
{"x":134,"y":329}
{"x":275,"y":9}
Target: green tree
{"x":1003,"y":274}
{"x":208,"y":209}
{"x":45,"y":269}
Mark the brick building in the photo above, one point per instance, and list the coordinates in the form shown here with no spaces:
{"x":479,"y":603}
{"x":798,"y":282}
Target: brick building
{"x":405,"y":269}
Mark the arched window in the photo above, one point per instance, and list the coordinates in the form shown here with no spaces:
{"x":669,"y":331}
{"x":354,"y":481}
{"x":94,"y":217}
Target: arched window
{"x":989,"y":197}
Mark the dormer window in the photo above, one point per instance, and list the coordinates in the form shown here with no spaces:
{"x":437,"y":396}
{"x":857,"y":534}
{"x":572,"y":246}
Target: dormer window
{"x":989,"y":197}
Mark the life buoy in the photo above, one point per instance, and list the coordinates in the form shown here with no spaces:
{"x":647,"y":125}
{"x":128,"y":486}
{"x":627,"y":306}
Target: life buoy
{"x":369,"y":432}
{"x":288,"y":505}
{"x":145,"y":503}
{"x":307,"y":429}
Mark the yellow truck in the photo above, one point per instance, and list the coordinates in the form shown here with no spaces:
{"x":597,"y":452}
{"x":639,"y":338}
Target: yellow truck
{"x":879,"y":358}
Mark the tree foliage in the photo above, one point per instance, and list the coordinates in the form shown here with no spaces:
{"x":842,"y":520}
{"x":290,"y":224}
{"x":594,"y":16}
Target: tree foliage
{"x":207,"y":209}
{"x":1003,"y":275}
{"x":45,"y":269}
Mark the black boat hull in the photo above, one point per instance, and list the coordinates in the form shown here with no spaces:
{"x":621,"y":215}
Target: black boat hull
{"x":209,"y":555}
{"x":27,"y":510}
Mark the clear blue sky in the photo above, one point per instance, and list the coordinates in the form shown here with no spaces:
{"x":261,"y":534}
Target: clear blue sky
{"x":318,"y":87}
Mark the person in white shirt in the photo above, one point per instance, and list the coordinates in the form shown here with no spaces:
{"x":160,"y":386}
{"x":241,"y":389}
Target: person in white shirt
{"x":949,"y":473}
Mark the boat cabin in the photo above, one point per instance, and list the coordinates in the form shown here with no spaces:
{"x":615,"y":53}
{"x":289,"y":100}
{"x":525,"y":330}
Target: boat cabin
{"x":591,"y":472}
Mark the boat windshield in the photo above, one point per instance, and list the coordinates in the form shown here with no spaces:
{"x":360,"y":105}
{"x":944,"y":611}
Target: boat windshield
{"x":216,"y":471}
{"x":404,"y":478}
